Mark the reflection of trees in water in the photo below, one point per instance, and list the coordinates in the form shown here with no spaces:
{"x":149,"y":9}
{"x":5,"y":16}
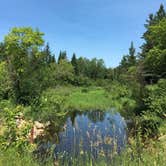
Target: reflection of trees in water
{"x":45,"y":149}
{"x":80,"y":134}
{"x":96,"y":116}
{"x":57,"y":125}
{"x":73,"y":115}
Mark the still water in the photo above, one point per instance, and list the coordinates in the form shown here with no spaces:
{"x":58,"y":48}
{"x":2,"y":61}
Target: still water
{"x":93,"y":133}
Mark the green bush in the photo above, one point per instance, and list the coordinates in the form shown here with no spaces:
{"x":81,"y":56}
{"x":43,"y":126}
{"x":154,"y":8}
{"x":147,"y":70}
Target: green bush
{"x":155,"y":100}
{"x":11,"y":157}
{"x":155,"y":108}
{"x":150,"y":124}
{"x":13,"y":135}
{"x":81,"y":81}
{"x":51,"y":104}
{"x":5,"y":83}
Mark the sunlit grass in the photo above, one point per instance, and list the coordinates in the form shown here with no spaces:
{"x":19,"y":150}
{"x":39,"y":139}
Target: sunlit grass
{"x":94,"y":98}
{"x":155,"y":155}
{"x":11,"y":157}
{"x":90,"y":100}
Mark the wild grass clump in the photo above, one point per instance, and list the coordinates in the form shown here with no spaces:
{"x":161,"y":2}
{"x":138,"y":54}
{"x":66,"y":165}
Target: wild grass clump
{"x":87,"y":99}
{"x":11,"y":157}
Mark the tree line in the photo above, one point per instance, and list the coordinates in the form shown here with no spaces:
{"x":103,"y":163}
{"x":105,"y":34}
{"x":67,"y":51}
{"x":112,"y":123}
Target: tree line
{"x":28,"y":66}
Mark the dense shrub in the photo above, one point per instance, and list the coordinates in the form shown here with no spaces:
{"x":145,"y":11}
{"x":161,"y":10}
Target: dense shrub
{"x":149,"y":124}
{"x":81,"y":81}
{"x":13,"y":135}
{"x":155,"y":108}
{"x":50,"y":104}
{"x":5,"y":83}
{"x":156,"y":98}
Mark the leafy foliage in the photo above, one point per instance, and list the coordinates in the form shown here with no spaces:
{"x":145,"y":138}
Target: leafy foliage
{"x":5,"y":83}
{"x":30,"y":75}
{"x":21,"y":48}
{"x":14,"y":137}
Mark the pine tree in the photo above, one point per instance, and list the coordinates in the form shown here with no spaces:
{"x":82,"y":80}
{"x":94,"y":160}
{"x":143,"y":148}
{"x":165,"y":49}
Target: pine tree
{"x":2,"y":51}
{"x":74,"y":63}
{"x":47,"y":54}
{"x":73,"y":59}
{"x":132,"y":57}
{"x":62,"y":56}
{"x":152,"y":20}
{"x":53,"y":60}
{"x":161,"y":13}
{"x":132,"y":50}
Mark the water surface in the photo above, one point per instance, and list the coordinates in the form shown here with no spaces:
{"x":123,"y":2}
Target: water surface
{"x":93,"y":134}
{"x":83,"y":136}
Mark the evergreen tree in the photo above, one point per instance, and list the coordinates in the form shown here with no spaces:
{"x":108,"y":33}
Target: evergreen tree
{"x":161,"y":13}
{"x":132,"y":50}
{"x":2,"y":51}
{"x":74,"y":63}
{"x":132,"y":57}
{"x":73,"y":59}
{"x":47,"y":54}
{"x":152,"y":20}
{"x":129,"y":60}
{"x":62,"y":56}
{"x":53,"y":60}
{"x":154,"y":48}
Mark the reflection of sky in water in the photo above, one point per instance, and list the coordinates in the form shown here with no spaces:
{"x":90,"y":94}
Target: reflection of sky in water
{"x":95,"y":133}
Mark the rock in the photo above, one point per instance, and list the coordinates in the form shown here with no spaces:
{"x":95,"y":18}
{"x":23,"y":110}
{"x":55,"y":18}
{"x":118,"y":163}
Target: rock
{"x":37,"y":130}
{"x":162,"y":138}
{"x":20,"y":122}
{"x":39,"y":125}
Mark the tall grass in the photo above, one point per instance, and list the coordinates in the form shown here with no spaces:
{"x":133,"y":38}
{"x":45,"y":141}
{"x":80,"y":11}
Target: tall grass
{"x":83,"y":99}
{"x":136,"y":154}
{"x":11,"y":157}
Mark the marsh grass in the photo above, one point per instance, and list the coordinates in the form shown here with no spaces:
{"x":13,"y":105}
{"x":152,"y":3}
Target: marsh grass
{"x":94,"y":99}
{"x":11,"y":157}
{"x":137,"y":153}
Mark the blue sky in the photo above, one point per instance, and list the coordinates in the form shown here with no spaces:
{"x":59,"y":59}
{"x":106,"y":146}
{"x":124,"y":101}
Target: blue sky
{"x":90,"y":28}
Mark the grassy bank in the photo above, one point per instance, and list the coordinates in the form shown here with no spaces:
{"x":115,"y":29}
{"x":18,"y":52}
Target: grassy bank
{"x":56,"y":102}
{"x":91,"y":98}
{"x":135,"y":154}
{"x":88,"y":99}
{"x":11,"y":157}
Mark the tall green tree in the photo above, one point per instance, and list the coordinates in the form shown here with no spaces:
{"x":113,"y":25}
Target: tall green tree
{"x":21,"y":45}
{"x":153,"y":19}
{"x":2,"y":51}
{"x":153,"y":50}
{"x":74,"y":63}
{"x":130,"y":59}
{"x":62,"y":56}
{"x":64,"y":72}
{"x":47,"y":54}
{"x":5,"y":82}
{"x":155,"y":60}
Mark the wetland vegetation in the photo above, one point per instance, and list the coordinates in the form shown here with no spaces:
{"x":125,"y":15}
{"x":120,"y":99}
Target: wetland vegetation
{"x":85,"y":113}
